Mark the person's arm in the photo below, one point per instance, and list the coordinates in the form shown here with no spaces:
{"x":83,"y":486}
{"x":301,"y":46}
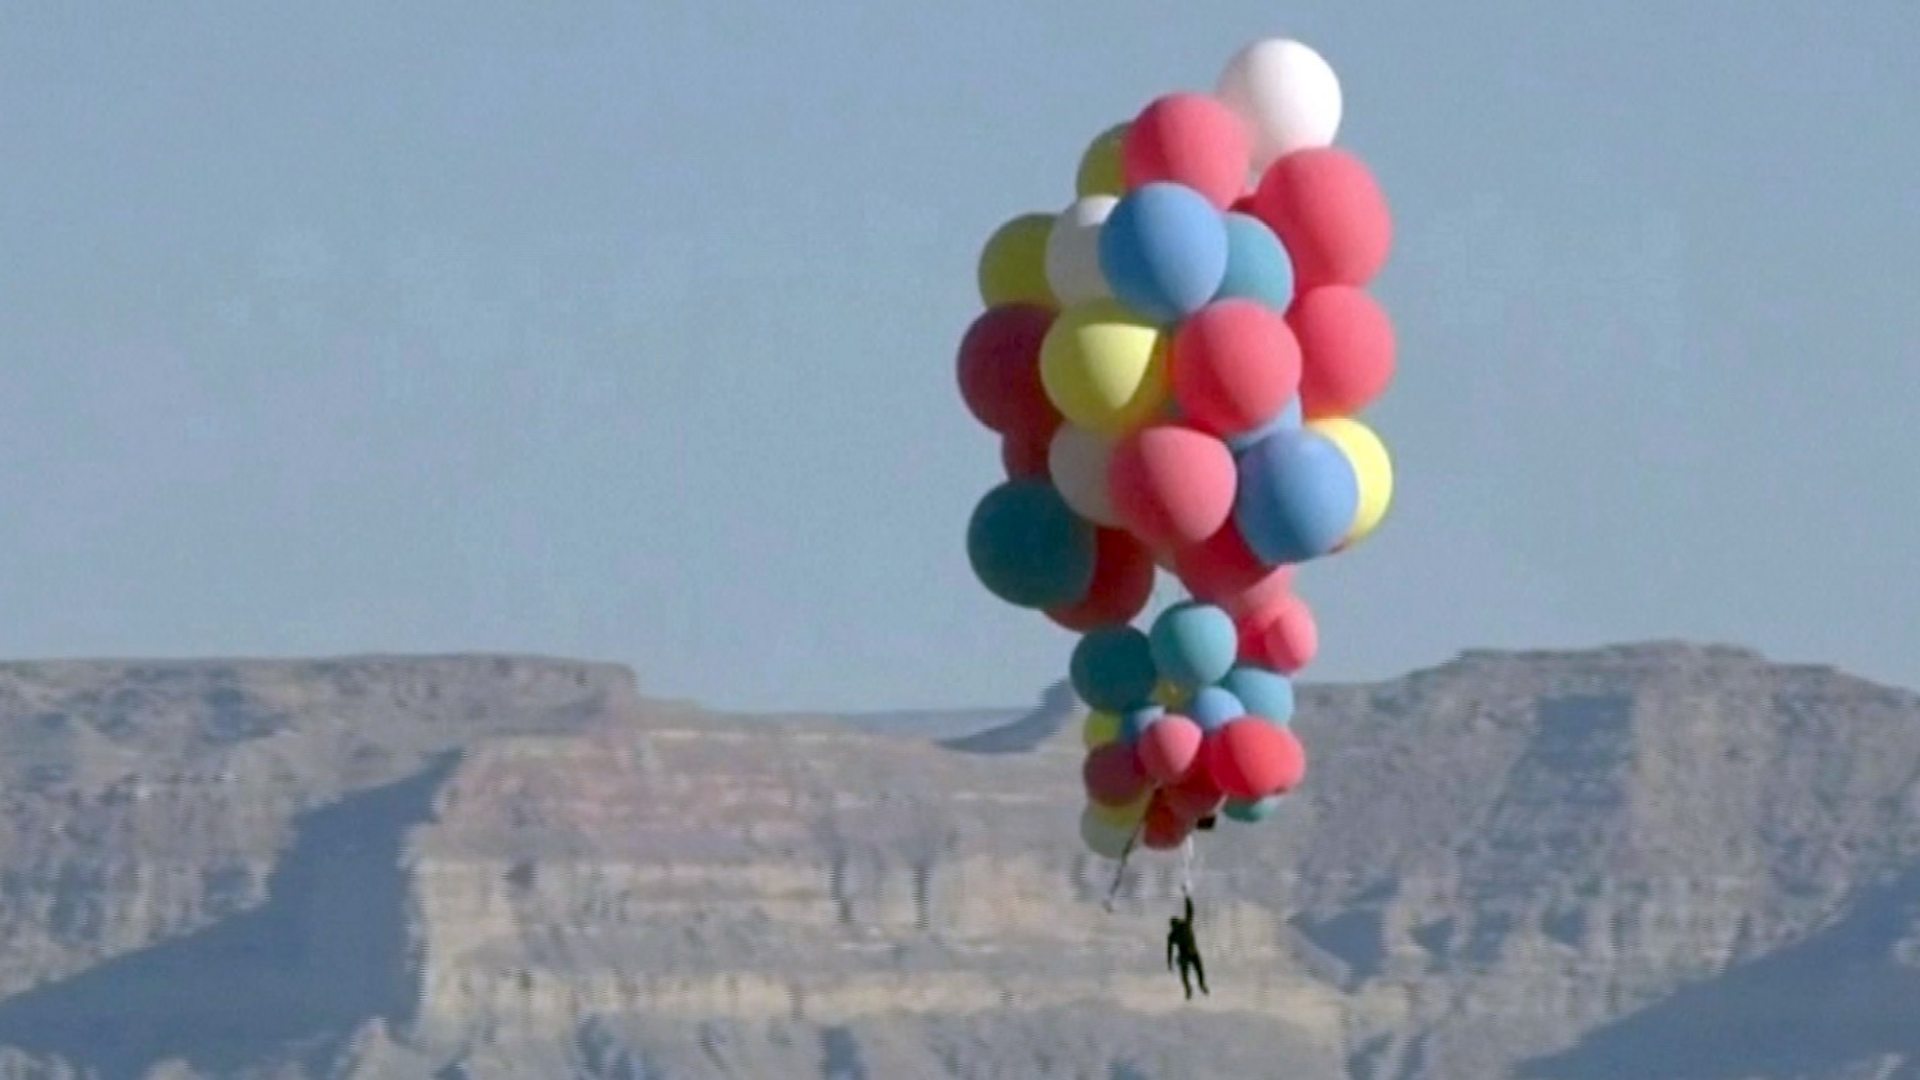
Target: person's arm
{"x":1189,"y":910}
{"x":1170,"y":940}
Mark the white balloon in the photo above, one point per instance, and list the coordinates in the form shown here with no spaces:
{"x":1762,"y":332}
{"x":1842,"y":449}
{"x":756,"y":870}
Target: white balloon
{"x":1073,"y":251}
{"x":1077,"y":459}
{"x":1286,"y":93}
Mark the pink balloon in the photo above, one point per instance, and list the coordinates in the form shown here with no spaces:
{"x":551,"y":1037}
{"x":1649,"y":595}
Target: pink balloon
{"x":1190,"y":139}
{"x":1113,"y":775}
{"x":1253,"y":758}
{"x":1281,"y":635}
{"x":1196,"y":796}
{"x":1122,"y":585}
{"x":1162,"y":830}
{"x":1235,"y":365}
{"x":1172,"y":485}
{"x":1169,"y":747}
{"x":1327,"y":209}
{"x":999,"y":368}
{"x":1346,"y":349}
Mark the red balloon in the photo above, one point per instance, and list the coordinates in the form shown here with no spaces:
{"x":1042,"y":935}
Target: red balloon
{"x":1172,"y":485}
{"x":1113,"y":775}
{"x":1123,"y":572}
{"x":1235,"y":365}
{"x":1169,"y":747}
{"x":1253,"y":758}
{"x":1197,"y":796}
{"x":1244,"y":205}
{"x":1219,"y":567}
{"x":1329,"y":212}
{"x":1190,"y":139}
{"x":1000,"y":369}
{"x":1346,"y":350}
{"x":1281,"y":635}
{"x":1163,"y":830}
{"x":1024,"y":454}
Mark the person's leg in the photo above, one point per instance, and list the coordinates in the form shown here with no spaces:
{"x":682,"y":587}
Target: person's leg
{"x":1200,"y":970}
{"x":1186,"y":980}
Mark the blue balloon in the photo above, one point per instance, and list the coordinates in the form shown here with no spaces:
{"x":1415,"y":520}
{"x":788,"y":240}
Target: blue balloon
{"x":1298,"y":496}
{"x":1266,"y":694}
{"x":1112,"y":669}
{"x":1164,"y":251}
{"x":1028,"y":548}
{"x":1291,"y":418}
{"x":1194,"y":644}
{"x":1213,"y":708}
{"x":1255,"y":811}
{"x":1258,"y":266}
{"x":1135,"y":723}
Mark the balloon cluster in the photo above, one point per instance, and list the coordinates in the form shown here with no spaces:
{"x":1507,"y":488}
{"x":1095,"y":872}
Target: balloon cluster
{"x":1174,"y":364}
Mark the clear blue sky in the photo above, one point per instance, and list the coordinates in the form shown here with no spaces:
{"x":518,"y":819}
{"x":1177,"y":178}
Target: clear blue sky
{"x":626,"y":330}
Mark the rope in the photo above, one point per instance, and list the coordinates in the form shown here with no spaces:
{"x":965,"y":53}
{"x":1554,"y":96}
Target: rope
{"x":1119,"y":872}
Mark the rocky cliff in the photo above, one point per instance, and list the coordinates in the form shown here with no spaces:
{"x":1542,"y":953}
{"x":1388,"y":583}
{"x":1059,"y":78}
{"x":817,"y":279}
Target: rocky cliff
{"x":1659,"y":861}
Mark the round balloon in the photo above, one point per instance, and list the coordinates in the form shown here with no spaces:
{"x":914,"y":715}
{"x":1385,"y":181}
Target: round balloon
{"x":1286,"y":94}
{"x":1329,"y":212}
{"x":1126,"y":816}
{"x":1103,"y":368}
{"x":1189,"y":139}
{"x":1112,"y":669}
{"x":999,"y":367}
{"x":1194,"y":644}
{"x":1251,"y":759}
{"x":1169,"y":747}
{"x":1113,"y":775}
{"x":1078,"y":461}
{"x":1371,"y":466}
{"x":1283,"y":636}
{"x":1258,"y":266}
{"x":1100,"y":172}
{"x":1266,"y":694}
{"x":1122,"y":584}
{"x":1163,"y":830}
{"x":1213,"y":707}
{"x":1163,"y":251}
{"x":1028,"y":548}
{"x":1168,"y":695}
{"x":1346,"y":350}
{"x":1234,"y":367}
{"x":1219,"y":568}
{"x":1024,"y":455}
{"x":1194,"y":797}
{"x":1013,"y":265}
{"x":1172,"y":485}
{"x":1073,"y":251}
{"x":1099,"y":729}
{"x":1290,"y":419}
{"x":1297,"y":498}
{"x":1135,"y":722}
{"x":1103,"y":837}
{"x":1255,"y":810}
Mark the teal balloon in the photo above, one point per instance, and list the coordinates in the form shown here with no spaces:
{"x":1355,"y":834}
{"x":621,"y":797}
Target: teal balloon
{"x":1194,"y":644}
{"x":1113,"y":670}
{"x":1266,"y":694}
{"x":1258,"y":266}
{"x":1215,"y":707}
{"x":1136,"y":722}
{"x":1028,"y":548}
{"x":1255,"y":811}
{"x":1164,"y":251}
{"x":1298,"y":497}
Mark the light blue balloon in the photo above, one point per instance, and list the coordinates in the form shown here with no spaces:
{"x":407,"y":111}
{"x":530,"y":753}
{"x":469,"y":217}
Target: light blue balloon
{"x":1291,"y":418}
{"x":1256,"y":811}
{"x":1258,"y":266}
{"x":1136,"y":722}
{"x":1194,"y":644}
{"x":1213,"y":708}
{"x":1028,"y":548}
{"x":1266,"y":694}
{"x":1112,"y":669}
{"x":1164,"y":251}
{"x":1297,"y":498}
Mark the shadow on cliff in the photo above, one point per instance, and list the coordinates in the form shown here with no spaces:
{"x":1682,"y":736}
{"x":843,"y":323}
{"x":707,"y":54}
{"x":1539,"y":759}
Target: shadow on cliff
{"x":325,"y":952}
{"x":1838,"y":998}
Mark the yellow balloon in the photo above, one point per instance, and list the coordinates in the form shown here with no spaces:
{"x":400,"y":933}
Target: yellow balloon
{"x":1100,"y":171}
{"x":1102,"y":837}
{"x":1169,"y":696}
{"x":1371,"y":466}
{"x":1101,"y":728}
{"x":1013,"y":265}
{"x":1122,"y":817}
{"x":1104,"y":368}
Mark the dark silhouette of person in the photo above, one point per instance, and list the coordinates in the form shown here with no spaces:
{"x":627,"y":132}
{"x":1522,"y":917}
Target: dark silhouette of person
{"x":1182,"y":948}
